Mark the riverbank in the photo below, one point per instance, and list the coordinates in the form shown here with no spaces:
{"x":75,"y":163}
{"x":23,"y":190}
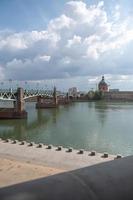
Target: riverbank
{"x":21,"y":162}
{"x":13,"y":171}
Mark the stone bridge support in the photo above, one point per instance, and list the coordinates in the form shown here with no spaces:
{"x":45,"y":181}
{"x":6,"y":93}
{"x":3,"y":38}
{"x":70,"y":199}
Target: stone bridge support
{"x":64,"y":100}
{"x":18,"y":111}
{"x":47,"y":102}
{"x":19,"y":105}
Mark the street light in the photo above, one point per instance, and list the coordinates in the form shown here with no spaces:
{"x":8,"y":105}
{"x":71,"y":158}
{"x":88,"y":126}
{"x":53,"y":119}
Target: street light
{"x":10,"y":84}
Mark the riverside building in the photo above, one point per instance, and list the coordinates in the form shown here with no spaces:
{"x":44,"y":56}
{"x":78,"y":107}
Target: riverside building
{"x":103,"y":86}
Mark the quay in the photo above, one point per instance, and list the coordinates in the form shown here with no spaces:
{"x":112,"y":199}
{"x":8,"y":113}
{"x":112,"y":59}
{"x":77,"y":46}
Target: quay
{"x":51,"y":156}
{"x":24,"y":161}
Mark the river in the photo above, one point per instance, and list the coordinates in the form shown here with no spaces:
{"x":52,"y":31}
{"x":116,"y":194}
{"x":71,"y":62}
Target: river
{"x":99,"y":126}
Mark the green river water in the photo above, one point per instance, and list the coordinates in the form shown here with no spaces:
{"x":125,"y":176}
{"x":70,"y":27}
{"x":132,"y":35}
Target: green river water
{"x":96,"y":126}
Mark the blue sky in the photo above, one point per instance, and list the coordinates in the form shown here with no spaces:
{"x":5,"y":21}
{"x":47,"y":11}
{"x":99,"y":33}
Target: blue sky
{"x":28,"y":14}
{"x":71,"y":43}
{"x":35,"y":14}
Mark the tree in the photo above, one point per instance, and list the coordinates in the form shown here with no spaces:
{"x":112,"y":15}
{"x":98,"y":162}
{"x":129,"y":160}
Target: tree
{"x":98,"y":95}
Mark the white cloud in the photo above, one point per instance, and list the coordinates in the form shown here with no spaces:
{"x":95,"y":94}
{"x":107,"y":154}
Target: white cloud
{"x":14,"y":42}
{"x":43,"y":58}
{"x":81,"y":41}
{"x":117,"y":12}
{"x":63,"y":22}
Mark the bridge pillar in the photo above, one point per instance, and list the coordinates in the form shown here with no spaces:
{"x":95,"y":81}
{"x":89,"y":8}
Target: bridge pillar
{"x":20,"y":100}
{"x":18,"y":111}
{"x":64,"y":100}
{"x":43,"y":102}
{"x":39,"y":100}
{"x":20,"y":104}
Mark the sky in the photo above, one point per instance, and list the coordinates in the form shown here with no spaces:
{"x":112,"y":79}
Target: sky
{"x":67,"y":43}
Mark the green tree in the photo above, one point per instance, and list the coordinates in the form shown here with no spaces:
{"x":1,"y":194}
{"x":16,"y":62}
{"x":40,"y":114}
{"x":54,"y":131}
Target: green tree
{"x":98,"y":95}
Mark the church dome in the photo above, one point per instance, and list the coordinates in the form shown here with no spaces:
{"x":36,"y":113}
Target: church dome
{"x":103,"y":86}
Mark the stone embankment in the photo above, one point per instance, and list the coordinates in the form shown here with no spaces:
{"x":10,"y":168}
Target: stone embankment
{"x":51,"y":156}
{"x":119,"y":96}
{"x":22,"y":161}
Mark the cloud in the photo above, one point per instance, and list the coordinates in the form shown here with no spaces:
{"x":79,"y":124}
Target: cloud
{"x":83,"y":41}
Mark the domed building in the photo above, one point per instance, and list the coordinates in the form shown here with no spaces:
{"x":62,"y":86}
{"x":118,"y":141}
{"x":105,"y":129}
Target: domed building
{"x":103,"y":86}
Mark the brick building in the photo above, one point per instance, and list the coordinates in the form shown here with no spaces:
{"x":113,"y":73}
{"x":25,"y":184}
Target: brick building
{"x":103,"y":86}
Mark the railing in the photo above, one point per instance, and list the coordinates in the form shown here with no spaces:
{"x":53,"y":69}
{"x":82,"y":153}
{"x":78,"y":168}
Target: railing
{"x":10,"y":94}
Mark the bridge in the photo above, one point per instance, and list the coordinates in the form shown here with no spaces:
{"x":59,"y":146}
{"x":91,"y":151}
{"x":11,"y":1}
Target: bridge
{"x":45,"y":99}
{"x":11,"y":94}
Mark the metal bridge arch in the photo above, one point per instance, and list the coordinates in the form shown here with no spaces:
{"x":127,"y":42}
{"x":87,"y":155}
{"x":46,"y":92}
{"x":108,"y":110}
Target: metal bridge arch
{"x":11,"y":95}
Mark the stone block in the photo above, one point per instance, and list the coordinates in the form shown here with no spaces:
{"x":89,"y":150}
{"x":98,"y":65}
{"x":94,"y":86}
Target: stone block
{"x":81,"y":151}
{"x":92,"y":153}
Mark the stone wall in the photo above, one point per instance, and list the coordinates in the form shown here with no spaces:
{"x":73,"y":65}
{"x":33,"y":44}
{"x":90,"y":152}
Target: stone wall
{"x":120,"y":95}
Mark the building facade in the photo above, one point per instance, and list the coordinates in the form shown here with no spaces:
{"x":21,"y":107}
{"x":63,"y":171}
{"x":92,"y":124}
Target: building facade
{"x":103,"y":86}
{"x":73,"y":92}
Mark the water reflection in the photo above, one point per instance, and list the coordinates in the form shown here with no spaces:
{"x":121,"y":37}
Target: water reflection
{"x":13,"y":128}
{"x":102,"y":111}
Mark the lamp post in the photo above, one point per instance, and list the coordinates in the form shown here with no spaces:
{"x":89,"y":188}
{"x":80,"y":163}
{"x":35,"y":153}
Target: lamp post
{"x":10,"y":85}
{"x":37,"y":86}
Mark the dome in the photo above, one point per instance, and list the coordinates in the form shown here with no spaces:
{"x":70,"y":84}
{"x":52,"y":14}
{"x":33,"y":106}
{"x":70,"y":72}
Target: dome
{"x":102,"y":82}
{"x":103,"y":86}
